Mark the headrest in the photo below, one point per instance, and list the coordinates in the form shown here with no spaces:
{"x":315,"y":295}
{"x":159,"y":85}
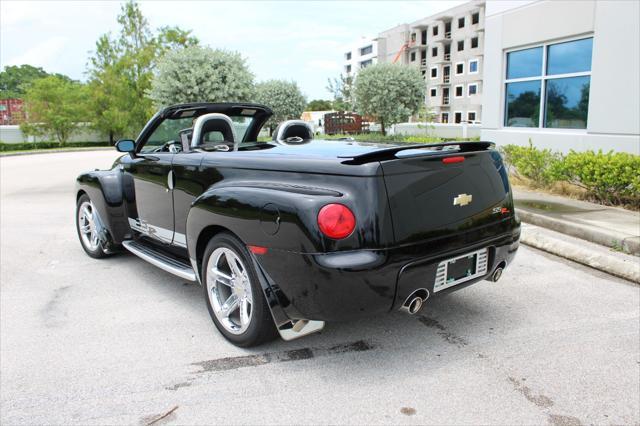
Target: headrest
{"x":292,"y":129}
{"x":213,"y":122}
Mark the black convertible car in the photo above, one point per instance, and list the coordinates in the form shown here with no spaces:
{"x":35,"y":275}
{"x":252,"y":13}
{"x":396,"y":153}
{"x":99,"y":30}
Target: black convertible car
{"x":286,"y":235}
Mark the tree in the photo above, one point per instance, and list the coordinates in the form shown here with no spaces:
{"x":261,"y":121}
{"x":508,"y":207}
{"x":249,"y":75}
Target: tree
{"x":201,"y":74}
{"x":319,"y":105}
{"x":121,"y":69}
{"x":15,"y":80}
{"x":54,"y":108}
{"x":388,"y":92}
{"x":170,"y":38}
{"x":342,"y":90}
{"x":283,"y":97}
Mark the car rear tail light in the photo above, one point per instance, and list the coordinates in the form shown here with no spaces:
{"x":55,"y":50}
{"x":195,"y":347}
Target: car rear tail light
{"x":452,"y":160}
{"x":336,"y":221}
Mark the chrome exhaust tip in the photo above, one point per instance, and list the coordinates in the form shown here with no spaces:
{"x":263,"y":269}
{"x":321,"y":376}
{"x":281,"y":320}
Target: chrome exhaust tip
{"x":496,"y":274}
{"x":415,"y":301}
{"x":415,"y":305}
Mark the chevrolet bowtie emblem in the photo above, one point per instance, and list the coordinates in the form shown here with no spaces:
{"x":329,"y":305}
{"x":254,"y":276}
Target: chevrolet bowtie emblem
{"x":462,"y":200}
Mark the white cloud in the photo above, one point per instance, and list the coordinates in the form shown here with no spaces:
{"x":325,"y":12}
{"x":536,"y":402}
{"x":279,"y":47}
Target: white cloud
{"x":302,"y":41}
{"x":325,"y":65}
{"x":42,"y":55}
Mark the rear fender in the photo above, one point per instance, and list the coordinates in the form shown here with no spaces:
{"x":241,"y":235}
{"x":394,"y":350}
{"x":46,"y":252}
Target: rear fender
{"x":264,"y":216}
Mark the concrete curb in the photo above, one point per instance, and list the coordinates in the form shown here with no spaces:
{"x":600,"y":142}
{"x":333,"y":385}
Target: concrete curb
{"x":629,"y":245}
{"x":56,"y":151}
{"x":588,"y":254}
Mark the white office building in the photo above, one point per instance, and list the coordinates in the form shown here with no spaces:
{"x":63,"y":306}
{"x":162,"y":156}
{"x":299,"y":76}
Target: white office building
{"x":359,"y":54}
{"x":564,"y":74}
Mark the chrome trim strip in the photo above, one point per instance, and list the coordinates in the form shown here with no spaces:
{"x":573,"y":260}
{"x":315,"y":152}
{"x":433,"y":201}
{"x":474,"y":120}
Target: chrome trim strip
{"x":179,"y":272}
{"x":180,"y":239}
{"x":162,"y":234}
{"x":441,"y":272}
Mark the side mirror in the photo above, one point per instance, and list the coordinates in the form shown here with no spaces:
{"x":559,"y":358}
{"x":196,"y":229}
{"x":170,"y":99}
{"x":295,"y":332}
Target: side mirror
{"x":125,"y":145}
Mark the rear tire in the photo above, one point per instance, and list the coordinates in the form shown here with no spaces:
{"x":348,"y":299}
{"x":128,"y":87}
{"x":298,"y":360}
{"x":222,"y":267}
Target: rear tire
{"x":233,"y":294}
{"x":85,"y":226}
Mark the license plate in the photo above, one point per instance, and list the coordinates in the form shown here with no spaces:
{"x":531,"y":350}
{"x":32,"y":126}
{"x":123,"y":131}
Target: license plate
{"x":460,"y":269}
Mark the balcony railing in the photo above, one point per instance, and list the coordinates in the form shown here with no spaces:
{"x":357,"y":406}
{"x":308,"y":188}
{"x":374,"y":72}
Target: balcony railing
{"x":447,"y":57}
{"x":445,"y":100}
{"x":446,"y":79}
{"x":423,"y":62}
{"x":447,"y":35}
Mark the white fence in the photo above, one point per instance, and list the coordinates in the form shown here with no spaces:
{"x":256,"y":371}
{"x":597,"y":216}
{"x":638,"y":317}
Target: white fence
{"x":453,"y":131}
{"x":13,"y":134}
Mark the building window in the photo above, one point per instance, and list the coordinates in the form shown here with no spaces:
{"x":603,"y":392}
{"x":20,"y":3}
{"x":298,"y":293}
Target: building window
{"x":473,"y":66}
{"x":347,"y":56}
{"x":460,"y":45}
{"x":444,"y":118}
{"x":424,"y":73}
{"x":434,"y":51}
{"x":460,"y":22}
{"x":366,"y":50}
{"x":471,"y":116}
{"x":475,"y":18}
{"x":460,"y":68}
{"x":472,"y":89}
{"x":474,"y":42}
{"x":433,"y":92}
{"x":413,"y":56}
{"x":457,"y":117}
{"x":347,"y":69}
{"x":366,"y":63}
{"x":423,"y":37}
{"x":413,"y":37}
{"x":434,"y":72}
{"x":434,"y":30}
{"x":458,"y":91}
{"x":551,"y":96}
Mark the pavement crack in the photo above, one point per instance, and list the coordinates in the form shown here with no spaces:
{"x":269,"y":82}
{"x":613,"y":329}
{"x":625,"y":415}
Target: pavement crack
{"x":443,"y":332}
{"x":52,"y":313}
{"x":233,"y":363}
{"x":540,"y":400}
{"x":557,"y":420}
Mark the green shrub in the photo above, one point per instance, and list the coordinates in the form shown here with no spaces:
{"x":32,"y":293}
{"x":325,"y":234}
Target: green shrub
{"x":27,"y":146}
{"x":611,"y":178}
{"x":534,"y":164}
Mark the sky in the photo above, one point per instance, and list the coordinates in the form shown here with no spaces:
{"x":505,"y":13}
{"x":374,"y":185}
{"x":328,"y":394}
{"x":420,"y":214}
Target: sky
{"x":302,"y":41}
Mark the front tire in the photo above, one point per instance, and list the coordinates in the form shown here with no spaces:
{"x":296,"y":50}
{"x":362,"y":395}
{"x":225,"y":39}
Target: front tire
{"x":86,"y":226}
{"x":233,"y":293}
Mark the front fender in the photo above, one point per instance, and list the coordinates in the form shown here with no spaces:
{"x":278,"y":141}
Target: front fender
{"x":111,"y":191}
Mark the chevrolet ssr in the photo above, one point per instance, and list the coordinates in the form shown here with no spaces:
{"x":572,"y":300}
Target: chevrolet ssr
{"x":286,"y":235}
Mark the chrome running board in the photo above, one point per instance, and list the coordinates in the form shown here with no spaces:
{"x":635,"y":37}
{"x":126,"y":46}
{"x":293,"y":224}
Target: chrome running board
{"x":161,"y":260}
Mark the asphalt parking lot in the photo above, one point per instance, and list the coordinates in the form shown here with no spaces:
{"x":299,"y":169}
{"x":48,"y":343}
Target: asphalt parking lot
{"x":116,"y":341}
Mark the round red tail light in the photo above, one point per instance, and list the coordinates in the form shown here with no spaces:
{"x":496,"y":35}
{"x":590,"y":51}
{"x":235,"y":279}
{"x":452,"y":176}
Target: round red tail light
{"x":336,"y":221}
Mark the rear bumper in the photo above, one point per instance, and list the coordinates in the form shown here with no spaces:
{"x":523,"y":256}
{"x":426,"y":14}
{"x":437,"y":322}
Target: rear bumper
{"x":346,"y":285}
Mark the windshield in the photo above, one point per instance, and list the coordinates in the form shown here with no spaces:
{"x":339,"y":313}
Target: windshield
{"x":171,"y":131}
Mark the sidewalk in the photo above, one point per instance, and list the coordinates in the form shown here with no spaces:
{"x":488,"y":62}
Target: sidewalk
{"x":569,"y":228}
{"x":609,"y":226}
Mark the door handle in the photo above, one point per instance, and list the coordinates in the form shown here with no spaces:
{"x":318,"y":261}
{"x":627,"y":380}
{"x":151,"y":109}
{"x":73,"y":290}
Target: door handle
{"x":170,"y":181}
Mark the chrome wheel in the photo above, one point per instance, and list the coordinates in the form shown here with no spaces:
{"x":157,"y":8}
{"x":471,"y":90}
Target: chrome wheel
{"x":229,"y":290}
{"x":87,"y":226}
